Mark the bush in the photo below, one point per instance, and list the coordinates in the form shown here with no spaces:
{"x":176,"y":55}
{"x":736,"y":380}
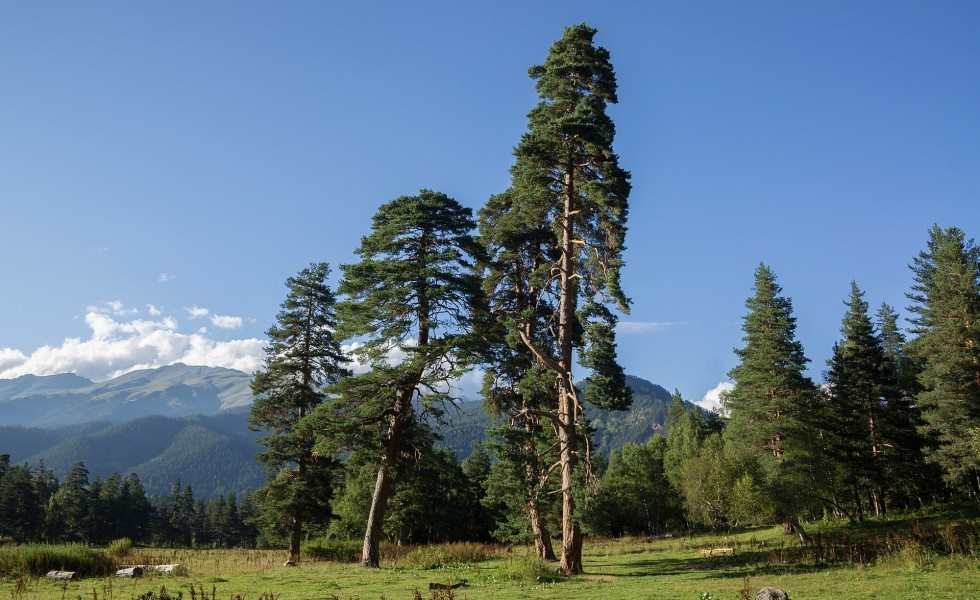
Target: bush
{"x":344,"y":551}
{"x":120,"y":548}
{"x":527,"y":569}
{"x":437,"y":556}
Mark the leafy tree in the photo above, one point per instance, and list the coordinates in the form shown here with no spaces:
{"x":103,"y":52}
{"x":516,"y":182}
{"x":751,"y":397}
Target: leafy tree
{"x":413,"y":293}
{"x":636,"y":497}
{"x":946,"y":318}
{"x":302,"y":357}
{"x":570,"y":194}
{"x":771,"y":406}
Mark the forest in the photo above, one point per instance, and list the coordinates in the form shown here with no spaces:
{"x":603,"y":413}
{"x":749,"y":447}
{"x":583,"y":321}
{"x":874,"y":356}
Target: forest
{"x":528,"y":290}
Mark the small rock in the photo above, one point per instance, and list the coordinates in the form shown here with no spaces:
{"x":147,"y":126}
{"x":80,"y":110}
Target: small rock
{"x":771,"y":593}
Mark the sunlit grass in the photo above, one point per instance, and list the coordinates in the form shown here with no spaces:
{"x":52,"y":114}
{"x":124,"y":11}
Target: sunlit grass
{"x":888,"y":560}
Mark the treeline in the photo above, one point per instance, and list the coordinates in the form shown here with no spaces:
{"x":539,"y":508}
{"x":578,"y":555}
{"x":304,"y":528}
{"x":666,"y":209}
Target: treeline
{"x":36,"y":507}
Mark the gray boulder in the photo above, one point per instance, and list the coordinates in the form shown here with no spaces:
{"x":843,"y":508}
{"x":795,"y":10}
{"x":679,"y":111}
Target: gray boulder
{"x":771,"y":593}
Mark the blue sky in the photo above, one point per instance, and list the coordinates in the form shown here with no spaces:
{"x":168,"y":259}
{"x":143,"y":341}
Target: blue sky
{"x":160,"y":160}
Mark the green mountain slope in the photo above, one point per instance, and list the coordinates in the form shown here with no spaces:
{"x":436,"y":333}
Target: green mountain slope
{"x":613,"y":428}
{"x":214,"y":454}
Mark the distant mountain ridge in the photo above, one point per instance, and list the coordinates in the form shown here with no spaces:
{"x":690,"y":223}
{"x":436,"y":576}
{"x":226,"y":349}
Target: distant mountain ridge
{"x":191,"y":423}
{"x":177,"y":390}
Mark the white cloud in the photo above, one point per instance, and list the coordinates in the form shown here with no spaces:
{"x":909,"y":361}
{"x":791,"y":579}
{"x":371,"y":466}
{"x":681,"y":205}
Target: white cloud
{"x":118,"y":345}
{"x":641,"y":327}
{"x":153,"y":310}
{"x":226,"y":322}
{"x":712,"y":398}
{"x":165,"y":277}
{"x":197,"y":312}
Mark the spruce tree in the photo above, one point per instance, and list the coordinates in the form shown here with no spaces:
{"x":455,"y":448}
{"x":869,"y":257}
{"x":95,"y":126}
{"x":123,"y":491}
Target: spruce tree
{"x":772,"y":402}
{"x":413,"y":293}
{"x":946,"y":319}
{"x":570,"y":195}
{"x":861,"y":386}
{"x":302,"y":357}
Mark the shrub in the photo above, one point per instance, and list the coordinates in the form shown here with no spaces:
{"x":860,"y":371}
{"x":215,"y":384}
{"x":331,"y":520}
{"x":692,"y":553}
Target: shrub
{"x":120,"y":548}
{"x":344,"y":551}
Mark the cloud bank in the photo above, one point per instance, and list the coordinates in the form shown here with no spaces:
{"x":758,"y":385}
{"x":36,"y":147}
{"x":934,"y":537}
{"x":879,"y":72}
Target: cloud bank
{"x":121,"y":342}
{"x":642,"y":327}
{"x":712,"y":398}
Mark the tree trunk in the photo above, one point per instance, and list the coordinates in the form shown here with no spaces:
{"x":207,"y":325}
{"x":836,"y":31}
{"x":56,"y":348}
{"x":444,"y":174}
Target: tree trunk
{"x":542,"y":537}
{"x":295,"y":536}
{"x":571,"y":542}
{"x":370,"y":553}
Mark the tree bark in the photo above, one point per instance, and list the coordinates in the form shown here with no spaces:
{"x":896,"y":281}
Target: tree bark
{"x":542,"y":537}
{"x":295,"y":536}
{"x":370,"y":552}
{"x":571,"y":543}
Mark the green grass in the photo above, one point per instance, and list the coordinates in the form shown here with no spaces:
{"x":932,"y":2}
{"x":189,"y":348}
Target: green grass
{"x":897,"y":559}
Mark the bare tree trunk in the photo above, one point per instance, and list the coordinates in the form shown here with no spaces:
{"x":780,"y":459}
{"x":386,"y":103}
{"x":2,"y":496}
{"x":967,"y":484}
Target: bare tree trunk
{"x":571,"y":542}
{"x":370,"y":552}
{"x":295,"y":536}
{"x":542,"y":537}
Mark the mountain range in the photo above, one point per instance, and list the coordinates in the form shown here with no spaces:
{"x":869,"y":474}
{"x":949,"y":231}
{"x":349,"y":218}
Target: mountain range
{"x":191,"y":423}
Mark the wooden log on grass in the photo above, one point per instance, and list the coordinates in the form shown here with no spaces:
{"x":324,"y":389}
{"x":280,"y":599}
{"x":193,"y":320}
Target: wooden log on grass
{"x":136,"y":571}
{"x":61,"y":575}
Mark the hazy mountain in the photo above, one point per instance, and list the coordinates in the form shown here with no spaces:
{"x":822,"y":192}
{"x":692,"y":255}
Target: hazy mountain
{"x":176,"y":390}
{"x":191,"y":423}
{"x":613,"y":428}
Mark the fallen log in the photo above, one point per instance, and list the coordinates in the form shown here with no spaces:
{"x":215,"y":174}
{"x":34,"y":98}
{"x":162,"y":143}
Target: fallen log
{"x":713,"y":551}
{"x":61,"y":575}
{"x":136,"y":571}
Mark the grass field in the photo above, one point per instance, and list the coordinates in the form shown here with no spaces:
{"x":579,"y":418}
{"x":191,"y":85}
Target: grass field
{"x":898,"y":560}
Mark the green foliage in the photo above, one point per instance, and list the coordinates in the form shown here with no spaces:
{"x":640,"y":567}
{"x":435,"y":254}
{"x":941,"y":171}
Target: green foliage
{"x":636,"y":497}
{"x":335,"y":550}
{"x":771,"y":407}
{"x":527,"y":570}
{"x":946,"y":309}
{"x":120,"y":548}
{"x":302,"y":357}
{"x":868,"y":421}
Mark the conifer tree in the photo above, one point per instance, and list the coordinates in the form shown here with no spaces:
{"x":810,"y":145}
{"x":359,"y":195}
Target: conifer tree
{"x":413,"y":292}
{"x":569,"y":193}
{"x":861,"y":385}
{"x":771,"y":405}
{"x":302,"y":357}
{"x":946,"y":309}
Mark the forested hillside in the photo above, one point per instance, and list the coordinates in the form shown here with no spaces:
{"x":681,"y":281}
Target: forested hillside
{"x":215,"y":454}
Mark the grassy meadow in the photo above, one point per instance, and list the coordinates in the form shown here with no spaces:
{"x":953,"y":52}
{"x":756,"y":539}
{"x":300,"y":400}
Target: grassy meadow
{"x":898,"y":559}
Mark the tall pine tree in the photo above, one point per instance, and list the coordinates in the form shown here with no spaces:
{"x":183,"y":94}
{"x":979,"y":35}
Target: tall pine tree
{"x":569,"y":195}
{"x":946,"y":309}
{"x":413,"y":293}
{"x":302,"y":357}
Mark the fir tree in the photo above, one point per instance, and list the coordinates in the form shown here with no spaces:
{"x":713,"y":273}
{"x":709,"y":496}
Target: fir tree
{"x":771,"y":404}
{"x":302,"y":357}
{"x":946,"y":309}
